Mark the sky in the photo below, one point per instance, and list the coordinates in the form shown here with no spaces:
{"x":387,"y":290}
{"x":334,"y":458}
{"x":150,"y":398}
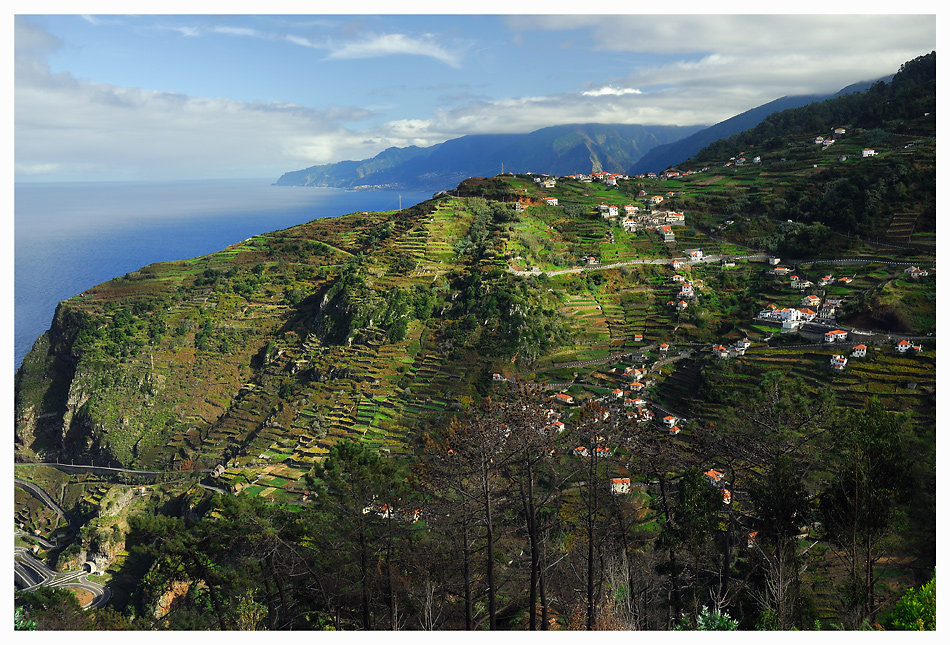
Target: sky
{"x":109,"y":96}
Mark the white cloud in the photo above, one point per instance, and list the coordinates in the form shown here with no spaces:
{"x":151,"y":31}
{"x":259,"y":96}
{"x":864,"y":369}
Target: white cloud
{"x":70,"y":129}
{"x":608,"y":90}
{"x":393,"y":44}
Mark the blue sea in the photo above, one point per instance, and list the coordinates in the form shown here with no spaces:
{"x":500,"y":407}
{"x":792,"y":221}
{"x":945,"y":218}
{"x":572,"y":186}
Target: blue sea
{"x":69,"y":237}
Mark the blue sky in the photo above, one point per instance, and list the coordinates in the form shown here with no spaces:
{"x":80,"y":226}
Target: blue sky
{"x":109,"y":96}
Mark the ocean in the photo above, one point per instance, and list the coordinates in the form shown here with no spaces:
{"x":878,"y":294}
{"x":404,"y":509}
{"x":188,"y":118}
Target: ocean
{"x":69,"y":237}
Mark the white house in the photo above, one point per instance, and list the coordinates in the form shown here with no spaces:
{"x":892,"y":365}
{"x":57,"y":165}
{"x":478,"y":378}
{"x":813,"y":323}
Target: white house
{"x":620,"y":485}
{"x":811,"y":301}
{"x":859,"y":351}
{"x":835,"y":336}
{"x":670,"y":421}
{"x":714,"y":477}
{"x":903,"y":345}
{"x":807,"y":314}
{"x":695,"y":254}
{"x":838,"y":362}
{"x":720,"y":352}
{"x":868,"y":152}
{"x":550,"y":201}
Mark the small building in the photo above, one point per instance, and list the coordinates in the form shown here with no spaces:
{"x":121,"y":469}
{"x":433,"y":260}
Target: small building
{"x":497,"y":377}
{"x":675,"y":430}
{"x":838,"y":362}
{"x":670,"y":421}
{"x":664,"y":347}
{"x":550,"y":201}
{"x":868,"y":152}
{"x":565,"y":399}
{"x":836,"y":336}
{"x":811,"y":301}
{"x":638,"y":338}
{"x":620,"y":485}
{"x":720,"y":352}
{"x":726,"y":496}
{"x":581,"y":451}
{"x":714,"y":477}
{"x":859,"y":351}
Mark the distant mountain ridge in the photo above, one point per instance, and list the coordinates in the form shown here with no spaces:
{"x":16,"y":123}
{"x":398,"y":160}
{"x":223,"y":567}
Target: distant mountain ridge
{"x":664,"y":156}
{"x":555,"y":150}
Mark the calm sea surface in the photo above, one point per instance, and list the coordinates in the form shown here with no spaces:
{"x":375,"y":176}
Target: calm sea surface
{"x":69,"y":237}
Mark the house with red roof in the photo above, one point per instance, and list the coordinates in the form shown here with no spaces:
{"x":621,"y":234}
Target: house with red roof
{"x":836,"y":336}
{"x":620,"y":485}
{"x":566,"y":399}
{"x":838,"y":362}
{"x":859,"y":351}
{"x":714,"y":477}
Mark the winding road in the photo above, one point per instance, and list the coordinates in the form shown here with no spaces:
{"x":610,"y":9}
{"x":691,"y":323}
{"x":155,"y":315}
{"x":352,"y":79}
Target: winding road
{"x":30,"y":573}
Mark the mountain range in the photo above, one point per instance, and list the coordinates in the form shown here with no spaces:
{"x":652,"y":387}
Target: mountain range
{"x":555,"y":150}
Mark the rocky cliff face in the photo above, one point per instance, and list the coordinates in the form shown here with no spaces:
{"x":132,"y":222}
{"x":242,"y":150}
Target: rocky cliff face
{"x":190,"y":364}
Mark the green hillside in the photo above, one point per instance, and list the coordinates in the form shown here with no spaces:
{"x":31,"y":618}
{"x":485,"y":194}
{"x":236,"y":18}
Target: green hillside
{"x":353,"y":420}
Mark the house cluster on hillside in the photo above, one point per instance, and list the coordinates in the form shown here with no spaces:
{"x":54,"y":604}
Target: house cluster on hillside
{"x":738,"y":348}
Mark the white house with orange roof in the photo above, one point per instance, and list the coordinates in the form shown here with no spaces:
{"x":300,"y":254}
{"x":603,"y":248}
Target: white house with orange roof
{"x":868,"y":152}
{"x":859,"y":351}
{"x":566,"y":399}
{"x":811,"y":301}
{"x":675,"y":430}
{"x":836,"y":336}
{"x":620,"y":485}
{"x":669,"y":421}
{"x":838,"y":362}
{"x":714,"y":477}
